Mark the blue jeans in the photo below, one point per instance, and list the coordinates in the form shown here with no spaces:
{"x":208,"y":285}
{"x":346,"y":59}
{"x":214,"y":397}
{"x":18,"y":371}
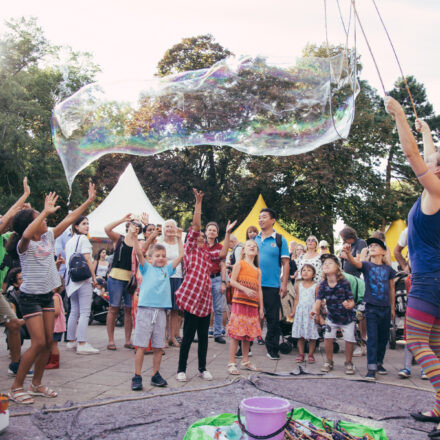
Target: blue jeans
{"x":117,"y":290}
{"x":217,"y":305}
{"x":378,"y":332}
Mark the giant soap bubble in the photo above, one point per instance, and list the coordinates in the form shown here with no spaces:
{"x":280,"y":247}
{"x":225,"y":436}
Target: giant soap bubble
{"x":254,"y":105}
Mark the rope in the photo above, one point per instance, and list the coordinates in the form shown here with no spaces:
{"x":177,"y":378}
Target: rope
{"x":369,"y":47}
{"x":397,"y":59}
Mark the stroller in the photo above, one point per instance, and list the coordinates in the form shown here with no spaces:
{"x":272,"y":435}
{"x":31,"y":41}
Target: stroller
{"x":99,"y":308}
{"x":397,"y":332}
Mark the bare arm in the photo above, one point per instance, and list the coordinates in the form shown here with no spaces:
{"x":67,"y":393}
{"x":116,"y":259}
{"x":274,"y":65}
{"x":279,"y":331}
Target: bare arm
{"x":392,"y":289}
{"x":316,"y":308}
{"x":177,"y":260}
{"x":428,"y":143}
{"x":225,"y":247}
{"x":90,"y":262}
{"x":94,"y":264}
{"x":6,"y":219}
{"x":137,"y":249}
{"x":260,"y":296}
{"x":286,"y":271}
{"x":197,"y":218}
{"x":114,"y":236}
{"x":400,"y":259}
{"x":295,"y":302}
{"x":354,"y":261}
{"x":57,"y":306}
{"x":149,"y":241}
{"x":74,"y":215}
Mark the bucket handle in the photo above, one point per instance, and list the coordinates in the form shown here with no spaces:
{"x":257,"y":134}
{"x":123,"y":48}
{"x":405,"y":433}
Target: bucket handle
{"x":267,"y":436}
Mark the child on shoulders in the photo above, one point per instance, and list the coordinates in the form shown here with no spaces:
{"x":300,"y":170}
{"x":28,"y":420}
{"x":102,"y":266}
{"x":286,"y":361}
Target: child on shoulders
{"x":304,"y":326}
{"x":335,"y":290}
{"x":154,"y":300}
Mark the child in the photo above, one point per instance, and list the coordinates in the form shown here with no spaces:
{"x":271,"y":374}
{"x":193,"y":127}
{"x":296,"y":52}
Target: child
{"x":335,"y":289}
{"x":247,"y":299}
{"x":304,"y":326}
{"x":379,"y":302}
{"x":154,"y":300}
{"x":59,"y":329}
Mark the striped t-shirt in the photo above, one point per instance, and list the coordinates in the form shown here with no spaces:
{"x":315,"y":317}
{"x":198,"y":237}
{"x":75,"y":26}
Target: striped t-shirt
{"x":38,"y":266}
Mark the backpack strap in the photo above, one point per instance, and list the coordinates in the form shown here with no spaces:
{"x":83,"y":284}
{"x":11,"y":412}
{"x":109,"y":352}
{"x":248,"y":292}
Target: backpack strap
{"x":279,"y":241}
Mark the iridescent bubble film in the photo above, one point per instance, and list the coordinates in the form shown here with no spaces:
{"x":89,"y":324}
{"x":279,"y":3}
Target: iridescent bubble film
{"x":251,"y":104}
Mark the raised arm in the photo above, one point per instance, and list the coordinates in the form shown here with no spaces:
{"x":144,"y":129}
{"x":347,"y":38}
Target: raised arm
{"x":179,"y":258}
{"x":74,"y":215}
{"x":225,"y":247}
{"x":149,"y":241}
{"x":428,"y":143}
{"x":114,"y":236}
{"x":409,"y":146}
{"x":197,"y":218}
{"x":347,"y":255}
{"x":132,"y":233}
{"x":7,"y":217}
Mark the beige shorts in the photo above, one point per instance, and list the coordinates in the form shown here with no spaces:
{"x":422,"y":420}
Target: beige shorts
{"x":347,"y":330}
{"x":150,"y":324}
{"x":6,"y":312}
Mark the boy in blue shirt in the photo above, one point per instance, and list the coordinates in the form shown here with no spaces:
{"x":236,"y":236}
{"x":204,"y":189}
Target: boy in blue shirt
{"x":379,"y":302}
{"x":154,"y":300}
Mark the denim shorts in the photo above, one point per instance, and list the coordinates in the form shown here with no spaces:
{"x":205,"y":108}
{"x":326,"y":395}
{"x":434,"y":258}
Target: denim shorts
{"x":32,"y":304}
{"x":58,"y":336}
{"x":116,"y":291}
{"x":175,"y":284}
{"x":426,"y":286}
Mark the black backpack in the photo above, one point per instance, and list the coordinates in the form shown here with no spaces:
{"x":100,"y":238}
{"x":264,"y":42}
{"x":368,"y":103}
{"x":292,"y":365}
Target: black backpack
{"x":279,"y":242}
{"x":233,"y":260}
{"x":78,"y":268}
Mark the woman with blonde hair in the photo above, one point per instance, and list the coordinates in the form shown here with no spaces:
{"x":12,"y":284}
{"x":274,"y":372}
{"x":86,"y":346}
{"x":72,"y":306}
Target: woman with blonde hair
{"x":312,"y":257}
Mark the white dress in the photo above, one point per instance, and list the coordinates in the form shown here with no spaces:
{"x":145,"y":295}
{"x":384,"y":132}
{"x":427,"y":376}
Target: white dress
{"x":303,"y":326}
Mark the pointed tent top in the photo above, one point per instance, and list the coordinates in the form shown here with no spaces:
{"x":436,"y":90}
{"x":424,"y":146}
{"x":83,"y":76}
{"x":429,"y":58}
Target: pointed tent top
{"x":392,"y":235}
{"x":252,"y":220}
{"x":127,"y":196}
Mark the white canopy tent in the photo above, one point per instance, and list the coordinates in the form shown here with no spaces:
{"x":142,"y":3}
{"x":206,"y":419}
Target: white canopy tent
{"x":127,"y":196}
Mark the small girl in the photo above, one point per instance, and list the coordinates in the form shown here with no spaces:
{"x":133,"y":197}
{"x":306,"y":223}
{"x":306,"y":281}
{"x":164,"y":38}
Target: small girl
{"x":304,"y":326}
{"x":247,"y":306}
{"x":58,"y":330}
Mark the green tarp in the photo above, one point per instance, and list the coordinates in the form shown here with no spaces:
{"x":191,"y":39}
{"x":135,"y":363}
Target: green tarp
{"x":195,"y":432}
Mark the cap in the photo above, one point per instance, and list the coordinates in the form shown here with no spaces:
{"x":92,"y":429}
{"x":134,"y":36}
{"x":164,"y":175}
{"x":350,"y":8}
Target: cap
{"x":377,"y":241}
{"x":323,"y":243}
{"x":324,"y":257}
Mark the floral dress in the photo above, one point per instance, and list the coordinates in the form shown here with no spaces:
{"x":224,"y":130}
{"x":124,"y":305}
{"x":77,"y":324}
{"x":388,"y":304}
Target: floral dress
{"x":304,"y":326}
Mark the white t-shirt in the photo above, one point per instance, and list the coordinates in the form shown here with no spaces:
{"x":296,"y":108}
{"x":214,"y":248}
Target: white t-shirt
{"x":84,"y":247}
{"x":38,"y":266}
{"x":172,"y":251}
{"x":403,"y":238}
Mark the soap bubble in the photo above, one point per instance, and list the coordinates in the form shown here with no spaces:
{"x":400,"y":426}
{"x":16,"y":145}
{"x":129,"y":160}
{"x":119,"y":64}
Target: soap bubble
{"x":251,"y":104}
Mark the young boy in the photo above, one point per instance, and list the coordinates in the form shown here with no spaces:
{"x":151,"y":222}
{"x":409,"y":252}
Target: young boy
{"x":379,"y":302}
{"x":154,"y":300}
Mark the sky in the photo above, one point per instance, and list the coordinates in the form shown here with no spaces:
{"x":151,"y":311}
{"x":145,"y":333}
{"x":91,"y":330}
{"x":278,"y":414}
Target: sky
{"x":128,"y":37}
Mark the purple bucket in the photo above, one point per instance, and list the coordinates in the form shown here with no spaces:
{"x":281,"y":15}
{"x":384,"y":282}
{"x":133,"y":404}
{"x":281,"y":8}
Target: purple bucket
{"x":265,"y":416}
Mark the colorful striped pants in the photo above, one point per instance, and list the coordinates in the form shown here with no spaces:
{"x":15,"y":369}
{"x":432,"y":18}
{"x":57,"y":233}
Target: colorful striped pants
{"x":423,"y":339}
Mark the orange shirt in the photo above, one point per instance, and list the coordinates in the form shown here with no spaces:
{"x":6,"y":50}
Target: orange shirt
{"x":248,"y":277}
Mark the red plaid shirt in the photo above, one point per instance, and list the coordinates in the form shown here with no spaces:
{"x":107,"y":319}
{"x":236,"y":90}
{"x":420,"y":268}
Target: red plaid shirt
{"x":214,"y":251}
{"x":194,"y":295}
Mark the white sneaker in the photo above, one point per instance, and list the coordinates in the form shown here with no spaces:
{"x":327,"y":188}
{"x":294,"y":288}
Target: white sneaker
{"x":71,"y":345}
{"x":358,"y":351}
{"x":205,"y":375}
{"x":86,"y":349}
{"x":181,"y":377}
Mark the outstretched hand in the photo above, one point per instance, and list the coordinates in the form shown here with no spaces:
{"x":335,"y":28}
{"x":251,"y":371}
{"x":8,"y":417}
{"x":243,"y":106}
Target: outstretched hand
{"x":198,"y":195}
{"x":92,"y":192}
{"x":179,"y":232}
{"x":145,"y":218}
{"x":422,"y":126}
{"x":126,"y":218}
{"x":230,"y":226}
{"x":50,"y":203}
{"x":26,"y":189}
{"x":392,"y":107}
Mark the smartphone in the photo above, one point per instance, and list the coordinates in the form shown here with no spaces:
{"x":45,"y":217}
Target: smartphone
{"x":159,"y":228}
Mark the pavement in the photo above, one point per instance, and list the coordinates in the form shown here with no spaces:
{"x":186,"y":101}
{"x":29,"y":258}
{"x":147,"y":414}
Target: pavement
{"x":108,"y":374}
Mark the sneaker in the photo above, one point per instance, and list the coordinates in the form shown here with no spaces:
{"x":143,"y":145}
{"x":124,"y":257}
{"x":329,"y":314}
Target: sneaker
{"x":260,"y":340}
{"x":86,"y":349}
{"x":158,"y":381}
{"x":71,"y":345}
{"x":205,"y":375}
{"x":349,"y":368}
{"x":220,"y":340}
{"x":223,"y":332}
{"x":381,"y":370}
{"x":273,"y":357}
{"x":210,"y":333}
{"x":327,"y":367}
{"x":13,"y":368}
{"x":136,"y":383}
{"x":250,"y":353}
{"x":358,"y":351}
{"x":239,"y":353}
{"x":181,"y":377}
{"x":423,"y":375}
{"x":371,"y":375}
{"x":404,"y":373}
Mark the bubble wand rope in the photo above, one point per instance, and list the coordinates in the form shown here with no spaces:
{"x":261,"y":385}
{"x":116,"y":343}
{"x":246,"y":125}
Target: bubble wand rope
{"x":369,"y":47}
{"x":397,"y":58}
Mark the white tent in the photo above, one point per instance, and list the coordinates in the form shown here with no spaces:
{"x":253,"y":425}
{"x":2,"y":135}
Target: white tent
{"x":126,"y":197}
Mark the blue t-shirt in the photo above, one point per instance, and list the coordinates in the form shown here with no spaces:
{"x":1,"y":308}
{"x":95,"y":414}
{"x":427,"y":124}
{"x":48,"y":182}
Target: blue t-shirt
{"x":270,"y":260}
{"x":334,"y":297}
{"x":155,"y":289}
{"x":376,"y":277}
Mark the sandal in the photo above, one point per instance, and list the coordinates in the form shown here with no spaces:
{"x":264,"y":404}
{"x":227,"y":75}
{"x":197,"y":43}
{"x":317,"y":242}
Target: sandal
{"x":173,"y":343}
{"x":42,"y":390}
{"x":111,"y":347}
{"x":311,"y":359}
{"x":248,"y":366}
{"x":300,"y":358}
{"x":19,"y":395}
{"x":129,"y":346}
{"x":232,"y":369}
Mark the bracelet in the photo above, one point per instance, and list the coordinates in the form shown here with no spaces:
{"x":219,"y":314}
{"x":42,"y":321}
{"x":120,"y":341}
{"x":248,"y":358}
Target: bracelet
{"x":421,"y":175}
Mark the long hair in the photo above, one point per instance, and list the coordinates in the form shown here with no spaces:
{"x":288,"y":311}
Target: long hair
{"x":310,"y":267}
{"x":257,"y":257}
{"x":339,"y":274}
{"x":76,"y":223}
{"x":98,"y":255}
{"x":249,"y":229}
{"x":20,"y":222}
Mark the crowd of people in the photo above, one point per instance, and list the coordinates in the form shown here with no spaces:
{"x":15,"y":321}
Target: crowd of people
{"x":178,"y":292}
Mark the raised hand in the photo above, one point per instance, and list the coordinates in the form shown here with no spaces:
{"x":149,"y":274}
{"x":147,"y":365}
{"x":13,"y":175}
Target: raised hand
{"x":392,"y":106}
{"x":422,"y":126}
{"x":198,"y":195}
{"x":145,"y":218}
{"x":92,"y":192}
{"x":50,"y":203}
{"x":26,"y":189}
{"x":179,"y":233}
{"x":230,"y":226}
{"x":126,"y":218}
